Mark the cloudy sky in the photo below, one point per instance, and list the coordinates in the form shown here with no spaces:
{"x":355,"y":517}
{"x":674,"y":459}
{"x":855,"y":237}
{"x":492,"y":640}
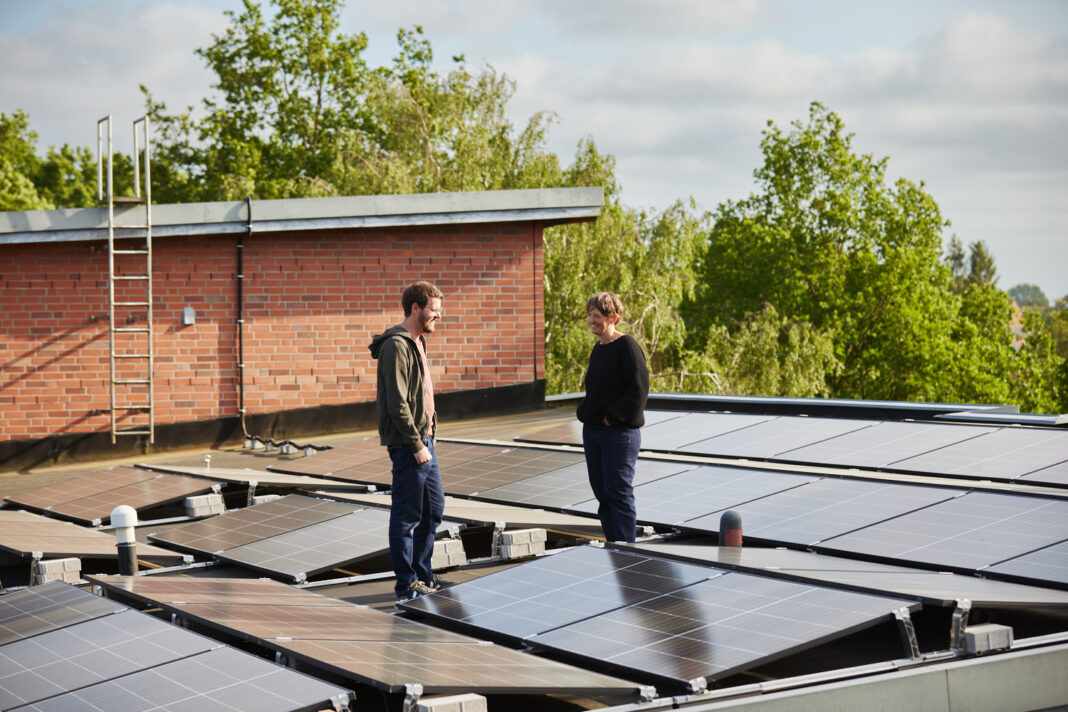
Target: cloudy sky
{"x":968,"y":96}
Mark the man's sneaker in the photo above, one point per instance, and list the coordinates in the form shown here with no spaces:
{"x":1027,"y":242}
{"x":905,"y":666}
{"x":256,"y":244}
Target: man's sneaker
{"x":439,"y":583}
{"x":416,"y":589}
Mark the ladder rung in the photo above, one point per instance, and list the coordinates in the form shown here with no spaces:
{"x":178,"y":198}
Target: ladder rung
{"x":132,"y":380}
{"x":131,"y":277}
{"x":131,"y":304}
{"x":133,"y":407}
{"x":133,"y":355}
{"x":133,"y":432}
{"x":130,"y":252}
{"x":128,"y":199}
{"x":132,"y":330}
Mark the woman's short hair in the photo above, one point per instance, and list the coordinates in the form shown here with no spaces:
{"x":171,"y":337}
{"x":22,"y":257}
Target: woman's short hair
{"x":419,"y":293}
{"x":608,"y":303}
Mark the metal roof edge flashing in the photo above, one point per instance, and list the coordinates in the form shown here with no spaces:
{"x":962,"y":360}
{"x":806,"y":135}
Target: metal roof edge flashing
{"x":549,"y":206}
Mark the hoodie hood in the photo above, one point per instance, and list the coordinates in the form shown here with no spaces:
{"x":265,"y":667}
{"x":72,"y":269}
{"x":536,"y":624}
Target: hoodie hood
{"x":376,"y":343}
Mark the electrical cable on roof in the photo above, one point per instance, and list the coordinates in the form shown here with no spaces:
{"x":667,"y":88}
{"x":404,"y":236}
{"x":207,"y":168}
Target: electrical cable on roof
{"x":248,"y":439}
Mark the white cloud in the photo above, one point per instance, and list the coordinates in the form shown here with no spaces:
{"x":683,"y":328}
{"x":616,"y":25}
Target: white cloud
{"x":90,"y":61}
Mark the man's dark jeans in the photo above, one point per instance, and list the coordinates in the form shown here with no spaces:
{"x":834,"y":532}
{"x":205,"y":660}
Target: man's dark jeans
{"x":610,"y":457}
{"x":418,"y":505}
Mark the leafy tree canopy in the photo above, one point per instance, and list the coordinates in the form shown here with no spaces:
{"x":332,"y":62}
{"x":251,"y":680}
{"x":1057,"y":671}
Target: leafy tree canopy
{"x":1029,"y":295}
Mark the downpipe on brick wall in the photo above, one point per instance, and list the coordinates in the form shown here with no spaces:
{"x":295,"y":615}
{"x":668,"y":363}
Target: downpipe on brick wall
{"x":254,"y":442}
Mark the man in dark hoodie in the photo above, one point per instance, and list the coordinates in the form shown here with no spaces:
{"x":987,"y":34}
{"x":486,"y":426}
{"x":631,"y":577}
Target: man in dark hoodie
{"x":406,"y":426}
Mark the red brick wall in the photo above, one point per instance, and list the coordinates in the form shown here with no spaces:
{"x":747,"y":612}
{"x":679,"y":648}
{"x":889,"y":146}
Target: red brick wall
{"x":312,"y":303}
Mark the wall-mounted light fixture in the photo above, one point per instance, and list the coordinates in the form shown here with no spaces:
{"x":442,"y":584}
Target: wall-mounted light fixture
{"x":189,"y":316}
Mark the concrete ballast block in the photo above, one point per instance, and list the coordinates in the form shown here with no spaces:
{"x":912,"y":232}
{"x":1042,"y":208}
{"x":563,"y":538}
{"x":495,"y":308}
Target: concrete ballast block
{"x":987,"y":637}
{"x":521,"y":543}
{"x":448,"y":552}
{"x":68,"y":570}
{"x":469,"y":702}
{"x":203,"y":505}
{"x":523,"y":536}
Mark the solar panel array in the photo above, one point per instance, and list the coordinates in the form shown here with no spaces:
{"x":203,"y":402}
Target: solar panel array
{"x":773,"y":436}
{"x":1006,"y":453}
{"x":652,"y":618}
{"x":359,"y":643}
{"x":293,"y":537}
{"x":29,"y":535}
{"x":939,"y":588}
{"x":367,"y":462}
{"x":570,"y":485}
{"x":824,"y":508}
{"x":693,"y":493}
{"x":66,"y":649}
{"x":967,"y":533}
{"x":90,"y":498}
{"x":247,"y":475}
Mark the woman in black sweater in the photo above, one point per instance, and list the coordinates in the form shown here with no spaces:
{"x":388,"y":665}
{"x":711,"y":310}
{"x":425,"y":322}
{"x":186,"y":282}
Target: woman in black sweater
{"x":612,"y":413}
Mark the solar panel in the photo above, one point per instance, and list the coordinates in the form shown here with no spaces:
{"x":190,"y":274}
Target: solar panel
{"x":448,"y":668}
{"x":453,"y":454}
{"x":502,"y":468}
{"x":317,"y":547}
{"x":43,"y":498}
{"x":47,"y":607}
{"x":244,"y":526}
{"x":329,"y":461}
{"x":180,"y":589}
{"x":470,"y":511}
{"x":882,"y":443}
{"x":359,"y":643}
{"x":768,"y":439}
{"x":375,"y":472}
{"x":314,"y":622}
{"x":1004,"y":453}
{"x":556,"y":590}
{"x":571,"y":485}
{"x":246,"y":475}
{"x":1047,"y":565}
{"x":825,"y":508}
{"x":1056,"y":475}
{"x":95,"y":650}
{"x":934,"y":587}
{"x":379,"y":471}
{"x":690,"y":428}
{"x":570,"y":433}
{"x":26,"y":534}
{"x":223,"y":679}
{"x":158,"y":490}
{"x":718,"y":627}
{"x":966,"y":533}
{"x":694,"y":493}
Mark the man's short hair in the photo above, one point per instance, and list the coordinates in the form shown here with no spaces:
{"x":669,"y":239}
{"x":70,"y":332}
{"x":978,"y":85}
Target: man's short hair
{"x":608,"y":303}
{"x":418,"y":293}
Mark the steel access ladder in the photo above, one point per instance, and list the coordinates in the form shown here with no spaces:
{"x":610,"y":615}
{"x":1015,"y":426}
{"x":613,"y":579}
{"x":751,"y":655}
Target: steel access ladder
{"x":130,"y":354}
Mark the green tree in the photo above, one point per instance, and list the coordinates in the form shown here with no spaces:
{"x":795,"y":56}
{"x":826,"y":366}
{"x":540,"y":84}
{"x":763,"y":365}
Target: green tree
{"x":828,"y":243}
{"x":64,"y":178}
{"x":764,"y":354}
{"x":18,"y":164}
{"x":1029,"y":295}
{"x":981,"y":267}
